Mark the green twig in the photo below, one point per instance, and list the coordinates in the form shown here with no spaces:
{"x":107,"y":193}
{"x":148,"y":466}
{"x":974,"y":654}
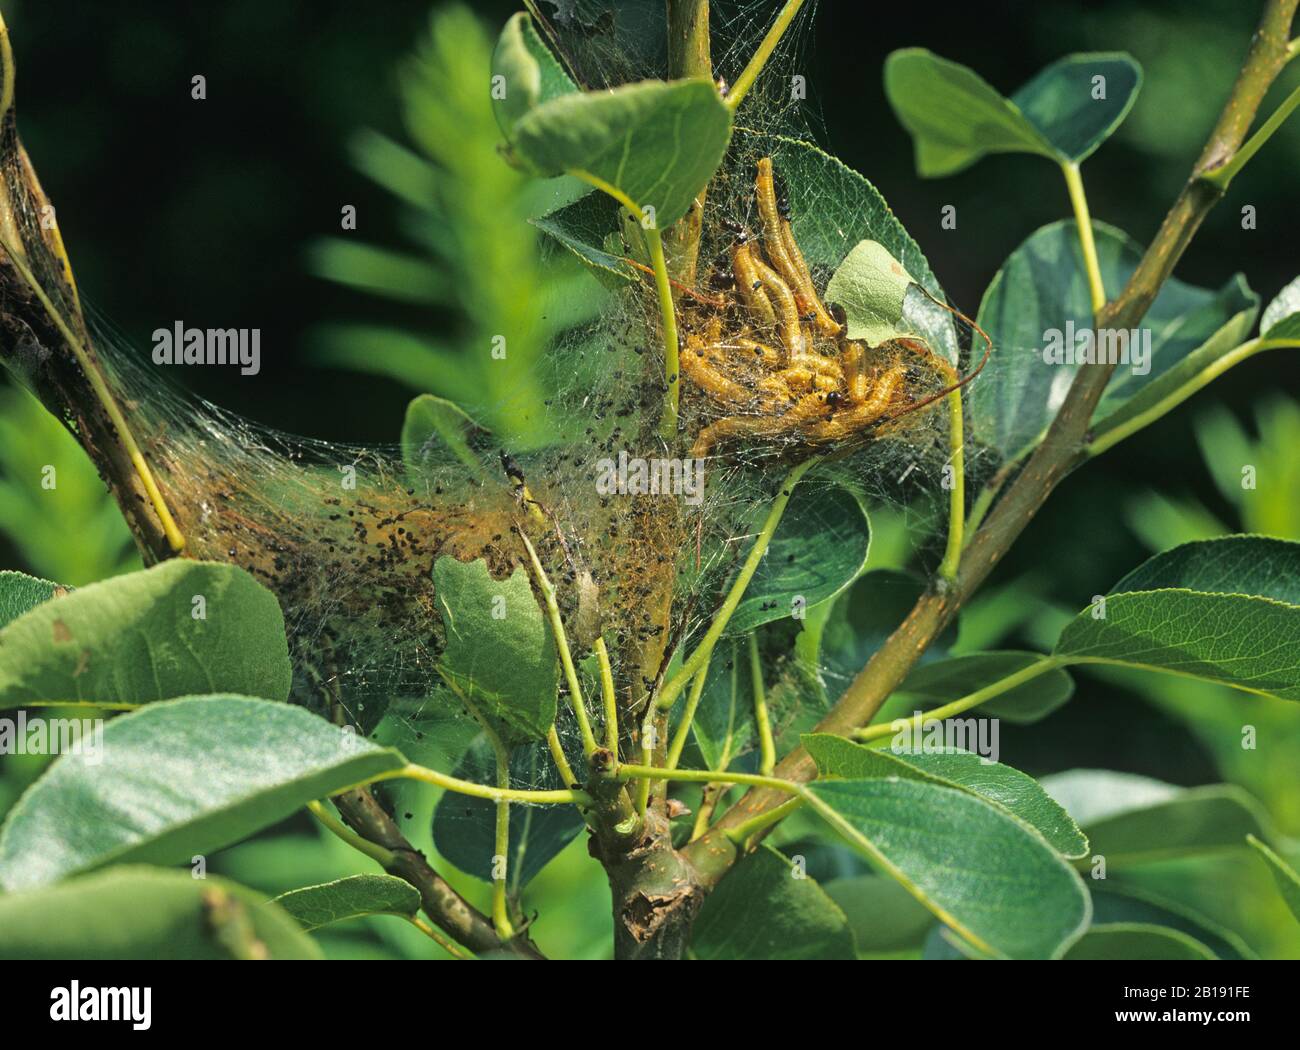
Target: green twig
{"x":673,"y":687}
{"x":766,"y":745}
{"x":742,"y":832}
{"x":1107,"y":439}
{"x":384,"y":857}
{"x":688,"y":720}
{"x":1224,"y":175}
{"x":562,"y":646}
{"x":707,"y":776}
{"x":608,"y":694}
{"x":454,"y":950}
{"x":957,"y":497}
{"x":1079,"y":201}
{"x":668,"y":315}
{"x":571,"y":796}
{"x":755,"y":66}
{"x":965,"y":703}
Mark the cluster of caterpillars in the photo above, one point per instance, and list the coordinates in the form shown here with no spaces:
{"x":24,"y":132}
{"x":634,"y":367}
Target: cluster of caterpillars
{"x":775,"y":362}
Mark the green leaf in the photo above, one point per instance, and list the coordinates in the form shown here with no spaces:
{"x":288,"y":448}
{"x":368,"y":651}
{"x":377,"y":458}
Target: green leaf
{"x":1131,"y":819}
{"x":20,"y":593}
{"x":1136,"y":940}
{"x":764,"y":909}
{"x":1039,"y":302}
{"x":871,"y":286}
{"x":350,"y":898}
{"x":140,"y":637}
{"x":980,"y":871}
{"x":147,"y":913}
{"x":588,"y":228}
{"x":499,"y":646}
{"x":656,"y":143}
{"x":724,"y":721}
{"x":942,"y":681}
{"x":529,"y":74}
{"x":1288,"y":882}
{"x":185,"y":777}
{"x":1225,"y":610}
{"x":862,"y":618}
{"x":883,"y":916}
{"x":1125,"y":904}
{"x":956,"y":117}
{"x":1282,"y":317}
{"x":1130,"y":395}
{"x":1010,"y":790}
{"x":464,"y":828}
{"x":819,"y":548}
{"x":435,"y":426}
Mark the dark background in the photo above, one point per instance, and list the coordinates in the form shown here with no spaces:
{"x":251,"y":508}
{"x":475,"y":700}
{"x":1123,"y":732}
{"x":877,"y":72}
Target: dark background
{"x":202,"y":211}
{"x":173,"y":208}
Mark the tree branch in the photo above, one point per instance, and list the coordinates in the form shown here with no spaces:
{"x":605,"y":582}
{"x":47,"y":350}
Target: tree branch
{"x":1065,"y":444}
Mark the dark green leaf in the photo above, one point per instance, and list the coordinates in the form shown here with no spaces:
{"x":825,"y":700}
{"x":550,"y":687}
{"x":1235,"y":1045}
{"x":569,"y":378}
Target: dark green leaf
{"x":146,"y":636}
{"x":765,"y":908}
{"x":499,"y":646}
{"x":1008,"y":789}
{"x":1125,"y":904}
{"x":464,"y":828}
{"x":350,"y":898}
{"x":862,"y":618}
{"x":724,"y":721}
{"x":956,"y":117}
{"x":980,"y":871}
{"x":1226,"y":610}
{"x":184,"y":777}
{"x":1042,"y":288}
{"x":883,"y":916}
{"x":150,"y":914}
{"x":819,"y":548}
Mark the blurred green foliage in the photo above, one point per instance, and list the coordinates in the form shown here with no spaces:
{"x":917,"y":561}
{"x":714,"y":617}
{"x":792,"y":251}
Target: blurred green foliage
{"x":466,"y":212}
